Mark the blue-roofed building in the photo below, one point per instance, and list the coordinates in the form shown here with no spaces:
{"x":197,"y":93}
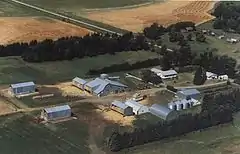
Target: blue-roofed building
{"x":121,"y":108}
{"x":163,"y":112}
{"x":102,"y":87}
{"x":57,"y":112}
{"x":23,"y":88}
{"x":188,"y":94}
{"x":78,"y":82}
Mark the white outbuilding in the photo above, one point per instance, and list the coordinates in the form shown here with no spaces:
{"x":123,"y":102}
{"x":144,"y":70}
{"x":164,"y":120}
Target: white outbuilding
{"x":137,"y":107}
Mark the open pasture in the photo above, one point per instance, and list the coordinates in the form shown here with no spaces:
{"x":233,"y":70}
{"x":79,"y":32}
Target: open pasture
{"x":10,"y":10}
{"x":14,"y":70}
{"x":137,"y":18}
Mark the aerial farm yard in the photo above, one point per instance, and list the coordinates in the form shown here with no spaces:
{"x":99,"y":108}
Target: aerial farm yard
{"x":137,"y":18}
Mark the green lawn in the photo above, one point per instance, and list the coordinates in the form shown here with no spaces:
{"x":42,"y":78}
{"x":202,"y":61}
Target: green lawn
{"x":11,"y":10}
{"x":77,"y":5}
{"x":13,"y":69}
{"x":20,"y":135}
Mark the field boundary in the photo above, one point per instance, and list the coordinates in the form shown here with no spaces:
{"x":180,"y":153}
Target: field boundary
{"x":81,"y":21}
{"x":120,"y":8}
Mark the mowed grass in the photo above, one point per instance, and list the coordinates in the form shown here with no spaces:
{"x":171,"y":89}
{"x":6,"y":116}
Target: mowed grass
{"x":19,"y":134}
{"x":77,"y":5}
{"x":13,"y":69}
{"x":224,"y":139}
{"x":10,"y":10}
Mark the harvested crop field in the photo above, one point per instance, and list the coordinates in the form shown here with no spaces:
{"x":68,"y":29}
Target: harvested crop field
{"x":164,"y":13}
{"x":25,"y":29}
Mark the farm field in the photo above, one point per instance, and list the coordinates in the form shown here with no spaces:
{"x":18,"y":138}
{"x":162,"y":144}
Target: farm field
{"x":14,"y":70}
{"x":21,"y":132}
{"x":75,"y":6}
{"x":137,"y":18}
{"x":22,"y":29}
{"x":10,"y":10}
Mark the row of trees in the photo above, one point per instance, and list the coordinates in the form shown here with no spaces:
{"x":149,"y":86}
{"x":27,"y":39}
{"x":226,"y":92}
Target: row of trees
{"x":125,"y":66}
{"x":227,"y":16}
{"x":155,"y":31}
{"x":215,"y":110}
{"x":67,"y":48}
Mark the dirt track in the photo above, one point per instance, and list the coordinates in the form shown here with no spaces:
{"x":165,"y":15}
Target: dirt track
{"x":164,"y":13}
{"x":23,"y":29}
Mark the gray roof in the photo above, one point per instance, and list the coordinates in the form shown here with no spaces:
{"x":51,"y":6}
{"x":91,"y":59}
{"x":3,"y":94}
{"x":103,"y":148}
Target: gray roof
{"x":57,"y":108}
{"x":120,"y":104}
{"x":183,"y":101}
{"x":99,"y":84}
{"x":169,"y":72}
{"x":23,"y":84}
{"x":189,"y":92}
{"x":133,"y":104}
{"x":79,"y":80}
{"x":160,"y":111}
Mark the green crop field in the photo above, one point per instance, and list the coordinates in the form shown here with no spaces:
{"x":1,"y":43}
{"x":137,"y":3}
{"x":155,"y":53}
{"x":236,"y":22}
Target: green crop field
{"x":13,"y":69}
{"x":77,"y":5}
{"x":20,"y":135}
{"x":11,"y":10}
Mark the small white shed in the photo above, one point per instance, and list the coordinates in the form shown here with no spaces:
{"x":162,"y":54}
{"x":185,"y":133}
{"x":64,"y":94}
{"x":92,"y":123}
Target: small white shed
{"x":137,"y":107}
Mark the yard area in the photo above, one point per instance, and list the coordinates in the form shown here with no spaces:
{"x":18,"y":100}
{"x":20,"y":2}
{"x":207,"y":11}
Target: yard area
{"x":14,"y":70}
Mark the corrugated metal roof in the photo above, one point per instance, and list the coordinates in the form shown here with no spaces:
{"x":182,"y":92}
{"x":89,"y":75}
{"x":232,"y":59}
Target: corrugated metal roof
{"x":160,"y":110}
{"x":116,"y":83}
{"x":169,"y":72}
{"x":190,"y":92}
{"x":120,"y":104}
{"x":57,"y":108}
{"x":99,"y":84}
{"x":79,"y":80}
{"x":23,"y":84}
{"x":133,"y":104}
{"x":96,"y":82}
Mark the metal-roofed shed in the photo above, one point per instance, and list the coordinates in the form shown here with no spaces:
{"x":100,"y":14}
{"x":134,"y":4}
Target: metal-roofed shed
{"x":122,"y":108}
{"x":137,"y":107}
{"x":188,"y":94}
{"x":23,"y":88}
{"x":163,"y":112}
{"x":102,"y":87}
{"x":78,"y":82}
{"x":57,"y":112}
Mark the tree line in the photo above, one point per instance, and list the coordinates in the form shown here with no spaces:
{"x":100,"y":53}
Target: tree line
{"x":227,"y":16}
{"x":125,"y":66}
{"x":67,"y":48}
{"x":216,"y":110}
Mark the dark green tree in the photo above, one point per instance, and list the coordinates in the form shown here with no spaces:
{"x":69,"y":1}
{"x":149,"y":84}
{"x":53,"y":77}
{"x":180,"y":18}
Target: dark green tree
{"x":200,"y":76}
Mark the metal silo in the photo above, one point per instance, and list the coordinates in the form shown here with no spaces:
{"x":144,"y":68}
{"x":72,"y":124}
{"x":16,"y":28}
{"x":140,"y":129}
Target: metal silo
{"x":172,"y":106}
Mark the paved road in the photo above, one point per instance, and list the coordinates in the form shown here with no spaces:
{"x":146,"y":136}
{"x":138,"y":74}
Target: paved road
{"x":63,"y":16}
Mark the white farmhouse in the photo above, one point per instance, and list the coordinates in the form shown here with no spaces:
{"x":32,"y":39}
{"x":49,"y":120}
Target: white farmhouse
{"x":169,"y":74}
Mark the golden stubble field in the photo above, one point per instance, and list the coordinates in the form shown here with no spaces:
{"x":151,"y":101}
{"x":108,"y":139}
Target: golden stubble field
{"x":25,"y":29}
{"x":164,"y":13}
